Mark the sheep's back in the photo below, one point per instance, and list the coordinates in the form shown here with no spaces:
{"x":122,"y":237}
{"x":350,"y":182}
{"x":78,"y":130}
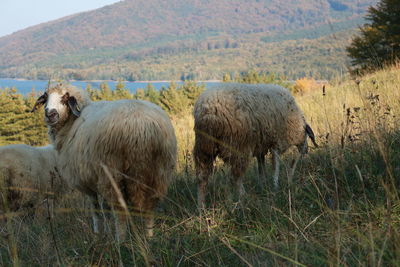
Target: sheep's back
{"x":256,"y":115}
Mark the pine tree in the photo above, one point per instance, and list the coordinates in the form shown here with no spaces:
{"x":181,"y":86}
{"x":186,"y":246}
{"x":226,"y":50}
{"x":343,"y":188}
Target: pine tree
{"x":93,"y":94}
{"x":191,"y":90}
{"x":173,"y":100}
{"x":35,"y":129}
{"x":105,"y":92}
{"x":379,"y":41}
{"x":140,"y":94}
{"x":226,"y":78}
{"x":151,"y":94}
{"x":121,"y":92}
{"x":17,"y":123}
{"x":251,"y":76}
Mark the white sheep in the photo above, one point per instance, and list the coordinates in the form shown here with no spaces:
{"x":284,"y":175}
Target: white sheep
{"x":120,"y":151}
{"x":29,"y":177}
{"x":238,"y":121}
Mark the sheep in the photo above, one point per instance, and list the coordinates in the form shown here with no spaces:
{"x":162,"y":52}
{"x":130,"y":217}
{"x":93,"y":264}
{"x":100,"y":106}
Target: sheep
{"x":119,"y":151}
{"x":238,"y":121}
{"x":29,"y":176}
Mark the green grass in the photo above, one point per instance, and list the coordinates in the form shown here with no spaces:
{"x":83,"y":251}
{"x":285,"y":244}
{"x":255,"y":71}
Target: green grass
{"x":342,"y":209}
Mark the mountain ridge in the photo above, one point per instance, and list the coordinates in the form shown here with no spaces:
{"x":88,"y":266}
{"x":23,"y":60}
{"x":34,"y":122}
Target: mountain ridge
{"x":137,"y":26}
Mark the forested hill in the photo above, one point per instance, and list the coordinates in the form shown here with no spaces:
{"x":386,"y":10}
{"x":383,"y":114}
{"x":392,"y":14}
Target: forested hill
{"x":151,"y":39}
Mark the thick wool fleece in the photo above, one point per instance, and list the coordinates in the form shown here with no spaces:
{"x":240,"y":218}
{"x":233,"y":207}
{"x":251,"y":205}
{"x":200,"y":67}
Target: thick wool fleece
{"x":134,"y":140}
{"x":241,"y":120}
{"x":29,"y":175}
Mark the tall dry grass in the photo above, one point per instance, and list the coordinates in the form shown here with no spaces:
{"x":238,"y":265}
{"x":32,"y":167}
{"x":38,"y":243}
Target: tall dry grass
{"x":342,"y":209}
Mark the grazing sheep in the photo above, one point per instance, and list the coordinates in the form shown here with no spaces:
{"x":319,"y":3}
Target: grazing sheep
{"x":238,"y":121}
{"x":118,"y":151}
{"x":29,"y":176}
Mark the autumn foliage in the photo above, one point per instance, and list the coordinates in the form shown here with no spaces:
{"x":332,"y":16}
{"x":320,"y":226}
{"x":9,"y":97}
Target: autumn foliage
{"x":306,"y":85}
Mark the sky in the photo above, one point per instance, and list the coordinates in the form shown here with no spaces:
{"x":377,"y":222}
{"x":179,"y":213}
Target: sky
{"x":19,"y":14}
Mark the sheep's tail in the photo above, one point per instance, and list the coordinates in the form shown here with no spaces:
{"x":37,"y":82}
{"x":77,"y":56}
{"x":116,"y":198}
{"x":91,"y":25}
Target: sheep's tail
{"x":310,"y":133}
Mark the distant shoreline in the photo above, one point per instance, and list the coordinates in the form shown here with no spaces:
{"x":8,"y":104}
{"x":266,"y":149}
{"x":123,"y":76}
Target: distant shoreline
{"x":25,"y":86}
{"x":100,"y":81}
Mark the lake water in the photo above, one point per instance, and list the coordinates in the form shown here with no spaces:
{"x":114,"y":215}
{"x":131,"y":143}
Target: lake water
{"x":26,"y":86}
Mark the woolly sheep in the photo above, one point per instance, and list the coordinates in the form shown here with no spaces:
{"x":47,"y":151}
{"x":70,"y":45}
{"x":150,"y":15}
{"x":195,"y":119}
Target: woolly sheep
{"x":118,"y":151}
{"x":238,"y":121}
{"x":29,"y":176}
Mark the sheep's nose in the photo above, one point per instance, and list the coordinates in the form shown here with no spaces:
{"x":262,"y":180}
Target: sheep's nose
{"x":50,"y":113}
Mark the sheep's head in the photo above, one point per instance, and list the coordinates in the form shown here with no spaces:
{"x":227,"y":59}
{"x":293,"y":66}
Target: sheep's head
{"x":308,"y":132}
{"x":60,"y":103}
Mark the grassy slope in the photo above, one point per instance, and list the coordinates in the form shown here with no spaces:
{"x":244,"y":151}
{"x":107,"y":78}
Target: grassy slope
{"x":344,"y":209}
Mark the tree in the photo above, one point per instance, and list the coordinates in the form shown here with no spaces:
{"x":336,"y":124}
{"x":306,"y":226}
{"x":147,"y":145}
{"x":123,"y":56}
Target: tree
{"x":105,"y":92}
{"x":35,"y":129}
{"x":173,"y":100}
{"x":379,"y":41}
{"x":93,"y":94}
{"x":17,"y":123}
{"x":121,"y":92}
{"x":191,"y":90}
{"x":253,"y":76}
{"x":151,"y":94}
{"x":226,"y":78}
{"x":140,"y":94}
{"x":305,"y":85}
{"x":250,"y":76}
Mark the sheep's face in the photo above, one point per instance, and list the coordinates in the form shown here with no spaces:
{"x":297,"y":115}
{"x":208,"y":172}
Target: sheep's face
{"x":308,"y":132}
{"x":58,"y":106}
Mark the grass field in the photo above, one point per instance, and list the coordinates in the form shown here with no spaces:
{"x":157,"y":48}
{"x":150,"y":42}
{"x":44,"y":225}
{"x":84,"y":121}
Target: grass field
{"x":342,"y":209}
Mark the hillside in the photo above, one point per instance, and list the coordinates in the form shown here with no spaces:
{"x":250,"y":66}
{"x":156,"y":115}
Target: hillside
{"x":121,"y":36}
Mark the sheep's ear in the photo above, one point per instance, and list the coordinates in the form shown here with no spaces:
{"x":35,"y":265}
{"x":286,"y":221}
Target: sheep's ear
{"x":310,"y":133}
{"x":73,"y":105}
{"x":40,"y":102}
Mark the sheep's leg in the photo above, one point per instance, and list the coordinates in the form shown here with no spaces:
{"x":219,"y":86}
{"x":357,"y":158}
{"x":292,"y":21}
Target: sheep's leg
{"x":149,"y":206}
{"x":116,"y":200}
{"x":292,"y":168}
{"x":303,"y":149}
{"x":144,"y":203}
{"x":120,"y":222}
{"x":119,"y":219}
{"x":149,"y":224}
{"x":261,"y":166}
{"x":238,"y":169}
{"x":240,"y":187}
{"x":95,"y":221}
{"x":275,"y":159}
{"x":201,"y":190}
{"x":120,"y":214}
{"x":97,"y":216}
{"x":204,"y":156}
{"x":204,"y":170}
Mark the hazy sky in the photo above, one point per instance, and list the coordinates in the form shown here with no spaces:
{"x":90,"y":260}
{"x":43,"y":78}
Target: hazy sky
{"x":19,"y":14}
